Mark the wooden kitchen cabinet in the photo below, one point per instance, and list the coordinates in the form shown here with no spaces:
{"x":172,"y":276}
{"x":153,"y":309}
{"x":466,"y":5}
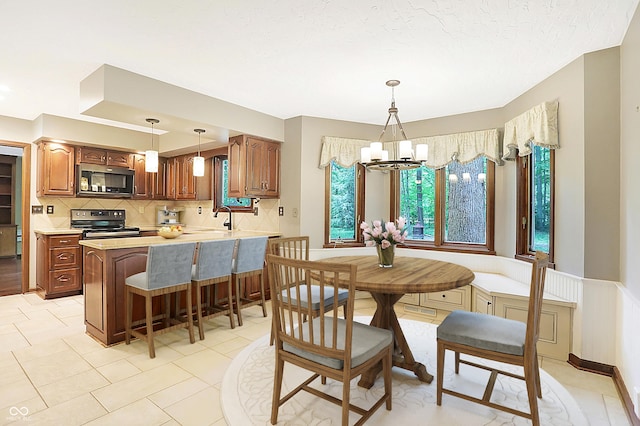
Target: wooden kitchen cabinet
{"x":104,"y":157}
{"x":58,"y":265}
{"x":56,"y":175}
{"x":149,"y":186}
{"x":182,"y":185}
{"x":254,"y":167}
{"x":7,"y":189}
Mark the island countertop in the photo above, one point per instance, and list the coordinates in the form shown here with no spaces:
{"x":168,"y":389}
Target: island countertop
{"x":189,"y":235}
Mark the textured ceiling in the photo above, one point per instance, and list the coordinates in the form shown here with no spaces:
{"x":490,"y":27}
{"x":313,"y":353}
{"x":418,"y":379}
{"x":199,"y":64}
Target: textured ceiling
{"x":289,"y":57}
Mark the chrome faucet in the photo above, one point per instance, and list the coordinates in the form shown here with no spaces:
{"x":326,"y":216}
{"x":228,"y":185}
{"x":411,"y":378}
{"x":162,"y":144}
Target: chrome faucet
{"x":227,"y":223}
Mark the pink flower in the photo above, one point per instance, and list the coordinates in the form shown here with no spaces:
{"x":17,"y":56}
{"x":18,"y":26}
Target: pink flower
{"x":385,"y":244}
{"x":391,"y":227}
{"x":364,"y":226}
{"x":377,"y":224}
{"x":401,"y":222}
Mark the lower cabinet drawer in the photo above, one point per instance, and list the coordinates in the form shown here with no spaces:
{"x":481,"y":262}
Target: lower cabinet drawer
{"x":65,"y":280}
{"x":459,"y":298}
{"x":65,"y":257}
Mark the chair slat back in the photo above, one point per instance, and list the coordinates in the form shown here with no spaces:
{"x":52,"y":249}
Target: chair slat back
{"x":538,"y":276}
{"x":214,"y":260}
{"x":291,"y":247}
{"x":318,"y":335}
{"x":169,"y":264}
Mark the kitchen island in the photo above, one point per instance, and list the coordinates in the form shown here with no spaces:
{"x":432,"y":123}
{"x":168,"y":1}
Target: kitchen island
{"x":108,"y":262}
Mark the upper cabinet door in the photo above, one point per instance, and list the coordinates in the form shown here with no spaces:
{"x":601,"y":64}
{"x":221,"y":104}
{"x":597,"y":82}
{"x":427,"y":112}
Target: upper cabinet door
{"x":254,"y":167}
{"x":104,"y":157}
{"x":55,"y":170}
{"x":119,"y":159}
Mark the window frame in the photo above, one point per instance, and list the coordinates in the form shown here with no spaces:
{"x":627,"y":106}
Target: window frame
{"x":360,"y":202}
{"x":523,"y":207}
{"x":439,"y":242}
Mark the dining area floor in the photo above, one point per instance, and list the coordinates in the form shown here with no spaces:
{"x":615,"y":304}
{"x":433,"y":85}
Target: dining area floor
{"x":54,"y":373}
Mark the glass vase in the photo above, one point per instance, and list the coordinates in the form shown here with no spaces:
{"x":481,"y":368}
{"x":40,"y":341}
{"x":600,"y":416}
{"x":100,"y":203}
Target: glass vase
{"x":385,"y":256}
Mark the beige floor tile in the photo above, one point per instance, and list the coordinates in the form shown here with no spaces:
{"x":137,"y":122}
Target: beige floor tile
{"x":591,"y":403}
{"x":77,"y":411}
{"x":10,"y":369}
{"x":570,"y":376}
{"x":615,"y":411}
{"x":49,"y":369}
{"x":67,"y":310}
{"x":164,"y":355}
{"x":221,"y":422}
{"x":17,"y":391}
{"x":12,"y":341}
{"x":207,"y":365}
{"x":12,"y":319}
{"x":72,"y":387}
{"x":232,"y":345}
{"x":141,"y":412}
{"x":115,"y":353}
{"x":127,"y":391}
{"x":177,"y":392}
{"x":83,"y":343}
{"x":254,"y":331}
{"x":171,"y":422}
{"x":21,"y":412}
{"x":118,"y":370}
{"x":41,"y":350}
{"x":202,"y":408}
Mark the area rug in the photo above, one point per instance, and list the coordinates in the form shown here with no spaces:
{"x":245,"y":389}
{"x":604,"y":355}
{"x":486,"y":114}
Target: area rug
{"x":248,"y":385}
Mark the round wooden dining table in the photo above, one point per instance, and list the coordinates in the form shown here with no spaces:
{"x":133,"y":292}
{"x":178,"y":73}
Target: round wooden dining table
{"x":388,"y":285}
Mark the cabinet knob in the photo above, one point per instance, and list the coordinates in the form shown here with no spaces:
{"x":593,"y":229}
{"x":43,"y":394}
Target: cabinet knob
{"x":488,"y":303}
{"x":444,"y":295}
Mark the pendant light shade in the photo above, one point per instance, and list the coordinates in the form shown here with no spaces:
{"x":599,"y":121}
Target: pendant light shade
{"x":198,"y":162}
{"x":151,"y":156}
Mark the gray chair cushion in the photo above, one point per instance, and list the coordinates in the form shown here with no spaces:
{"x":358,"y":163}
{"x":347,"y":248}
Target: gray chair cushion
{"x":167,"y":265}
{"x":484,"y":331}
{"x":343,"y":295}
{"x":214,"y":260}
{"x":367,"y":341}
{"x":250,"y":254}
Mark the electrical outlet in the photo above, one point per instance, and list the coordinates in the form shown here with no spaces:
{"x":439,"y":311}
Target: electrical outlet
{"x":141,"y":209}
{"x":280,"y":211}
{"x":199,"y":209}
{"x":255,"y":211}
{"x":36,"y":209}
{"x":49,"y":209}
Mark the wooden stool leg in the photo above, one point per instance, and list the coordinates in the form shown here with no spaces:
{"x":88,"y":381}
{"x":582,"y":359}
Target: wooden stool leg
{"x":238,"y":304}
{"x":149,"y":320}
{"x":189,"y":313}
{"x":128,"y":303}
{"x":264,"y":308}
{"x":230,"y":299}
{"x":199,"y":310}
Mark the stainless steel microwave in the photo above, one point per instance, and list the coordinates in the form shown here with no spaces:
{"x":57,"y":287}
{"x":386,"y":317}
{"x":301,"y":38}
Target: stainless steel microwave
{"x":104,"y":181}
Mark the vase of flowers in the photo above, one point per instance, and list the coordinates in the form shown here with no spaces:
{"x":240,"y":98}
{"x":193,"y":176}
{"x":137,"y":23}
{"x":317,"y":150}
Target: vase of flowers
{"x":385,"y":236}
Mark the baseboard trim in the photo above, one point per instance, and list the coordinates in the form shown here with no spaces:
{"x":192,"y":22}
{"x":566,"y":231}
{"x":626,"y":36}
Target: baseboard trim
{"x":613,"y":372}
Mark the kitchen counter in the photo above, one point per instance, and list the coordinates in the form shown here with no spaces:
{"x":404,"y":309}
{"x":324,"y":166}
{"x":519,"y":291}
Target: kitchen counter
{"x":58,"y":231}
{"x":189,"y":235}
{"x":108,"y":262}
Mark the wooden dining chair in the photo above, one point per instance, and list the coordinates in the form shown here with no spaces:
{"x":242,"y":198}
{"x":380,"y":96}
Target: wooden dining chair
{"x":326,"y":345}
{"x":168,"y":271}
{"x":298,"y":248}
{"x":498,"y":339}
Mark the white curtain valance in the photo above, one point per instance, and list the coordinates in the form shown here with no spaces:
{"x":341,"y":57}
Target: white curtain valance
{"x":443,"y":149}
{"x":538,"y":126}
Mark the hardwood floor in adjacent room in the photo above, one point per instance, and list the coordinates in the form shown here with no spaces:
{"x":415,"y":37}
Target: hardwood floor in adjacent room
{"x":10,"y":276}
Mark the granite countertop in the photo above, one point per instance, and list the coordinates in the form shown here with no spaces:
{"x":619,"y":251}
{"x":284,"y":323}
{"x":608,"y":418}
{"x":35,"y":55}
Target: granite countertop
{"x":190,"y":235}
{"x":58,"y":231}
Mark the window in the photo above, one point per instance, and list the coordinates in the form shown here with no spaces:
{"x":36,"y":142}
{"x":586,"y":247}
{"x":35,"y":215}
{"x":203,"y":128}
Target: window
{"x":450,"y":208}
{"x":221,"y":177}
{"x":535,"y":202}
{"x":344,"y":204}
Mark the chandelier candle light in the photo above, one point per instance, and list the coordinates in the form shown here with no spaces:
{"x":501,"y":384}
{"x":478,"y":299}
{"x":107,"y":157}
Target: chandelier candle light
{"x":151,"y":156}
{"x":384,"y":236}
{"x":375,"y":158}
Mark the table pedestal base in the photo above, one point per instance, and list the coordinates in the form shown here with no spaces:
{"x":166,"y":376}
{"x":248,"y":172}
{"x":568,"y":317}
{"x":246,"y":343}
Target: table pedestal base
{"x":385,"y":317}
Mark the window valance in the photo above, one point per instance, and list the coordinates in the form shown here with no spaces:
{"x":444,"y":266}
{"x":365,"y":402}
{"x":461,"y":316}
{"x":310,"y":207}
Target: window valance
{"x":538,"y":126}
{"x":443,"y":149}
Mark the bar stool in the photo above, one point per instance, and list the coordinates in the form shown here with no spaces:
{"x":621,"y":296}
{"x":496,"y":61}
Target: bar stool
{"x":168,"y":271}
{"x":213,"y":266}
{"x":248,"y":262}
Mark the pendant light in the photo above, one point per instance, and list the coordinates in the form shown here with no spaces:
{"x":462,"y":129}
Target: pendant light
{"x":198,"y":162}
{"x":151,"y":156}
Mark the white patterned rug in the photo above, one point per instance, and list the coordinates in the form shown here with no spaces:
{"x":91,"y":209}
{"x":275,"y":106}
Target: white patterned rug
{"x":248,"y":385}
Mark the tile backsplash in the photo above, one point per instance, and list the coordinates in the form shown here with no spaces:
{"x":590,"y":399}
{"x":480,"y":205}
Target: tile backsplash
{"x":143,"y":213}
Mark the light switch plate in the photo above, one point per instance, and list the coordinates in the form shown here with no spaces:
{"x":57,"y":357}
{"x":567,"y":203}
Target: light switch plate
{"x":49,"y":209}
{"x":280,"y":211}
{"x":36,"y":209}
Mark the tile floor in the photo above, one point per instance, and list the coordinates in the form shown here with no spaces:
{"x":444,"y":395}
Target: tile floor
{"x":53,"y":373}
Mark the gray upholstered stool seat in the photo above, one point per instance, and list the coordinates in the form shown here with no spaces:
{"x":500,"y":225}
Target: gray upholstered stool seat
{"x":484,"y":331}
{"x":213,"y":266}
{"x":366,"y":342}
{"x":168,"y":271}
